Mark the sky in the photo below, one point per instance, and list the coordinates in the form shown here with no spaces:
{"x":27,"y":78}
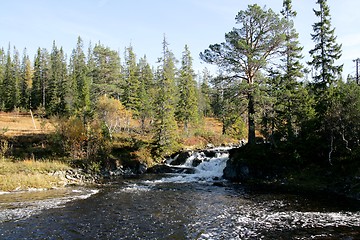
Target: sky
{"x":143,"y":23}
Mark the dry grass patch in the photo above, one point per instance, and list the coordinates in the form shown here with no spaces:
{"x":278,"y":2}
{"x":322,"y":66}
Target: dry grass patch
{"x":20,"y":123}
{"x":23,"y":175}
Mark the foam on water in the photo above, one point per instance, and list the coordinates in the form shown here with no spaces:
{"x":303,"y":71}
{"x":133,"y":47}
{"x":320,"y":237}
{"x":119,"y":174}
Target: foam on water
{"x":207,"y":171}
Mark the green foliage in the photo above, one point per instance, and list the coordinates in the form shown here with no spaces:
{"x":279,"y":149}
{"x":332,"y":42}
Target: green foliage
{"x":81,"y":84}
{"x":131,"y":96}
{"x":165,"y":137}
{"x":187,"y":106}
{"x":243,"y":55}
{"x":9,"y":85}
{"x":105,"y":70}
{"x":146,"y":92}
{"x":204,"y":100}
{"x":324,"y":55}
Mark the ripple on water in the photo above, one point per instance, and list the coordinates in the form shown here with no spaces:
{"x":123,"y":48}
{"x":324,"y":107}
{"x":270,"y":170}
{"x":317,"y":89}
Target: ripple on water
{"x":20,"y":205}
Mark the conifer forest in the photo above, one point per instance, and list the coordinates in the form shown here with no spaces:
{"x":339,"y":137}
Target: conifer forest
{"x":263,"y":92}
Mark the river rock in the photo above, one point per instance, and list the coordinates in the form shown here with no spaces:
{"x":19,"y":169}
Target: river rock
{"x":181,"y":158}
{"x":162,"y":168}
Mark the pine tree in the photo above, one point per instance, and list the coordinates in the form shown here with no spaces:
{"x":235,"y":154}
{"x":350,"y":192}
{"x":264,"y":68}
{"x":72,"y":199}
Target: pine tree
{"x":105,"y":69}
{"x":324,"y":55}
{"x":80,"y":81}
{"x":17,"y":76}
{"x":327,"y":76}
{"x":292,"y":104}
{"x":146,"y":91}
{"x":57,"y":86}
{"x":131,"y":98}
{"x":40,"y":79}
{"x":165,"y":137}
{"x":26,"y":81}
{"x":187,"y":107}
{"x":205,"y":94}
{"x":2,"y":69}
{"x":35,"y":101}
{"x":9,"y":85}
{"x":242,"y":56}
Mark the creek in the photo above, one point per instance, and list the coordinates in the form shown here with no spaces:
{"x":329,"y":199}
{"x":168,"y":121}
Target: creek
{"x":176,"y":206}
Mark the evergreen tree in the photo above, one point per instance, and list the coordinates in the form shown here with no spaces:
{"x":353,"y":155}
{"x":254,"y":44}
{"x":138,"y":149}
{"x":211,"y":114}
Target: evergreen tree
{"x":105,"y":68}
{"x":81,"y":84}
{"x":57,"y":87}
{"x":324,"y":55}
{"x":2,"y":69}
{"x":187,"y":107}
{"x":9,"y":84}
{"x":165,"y":137}
{"x":17,"y":76}
{"x":291,"y":105}
{"x":244,"y":55}
{"x":26,"y":81}
{"x":36,"y":82}
{"x":146,"y":91}
{"x":205,"y":94}
{"x":40,"y":79}
{"x":326,"y":78}
{"x":131,"y":98}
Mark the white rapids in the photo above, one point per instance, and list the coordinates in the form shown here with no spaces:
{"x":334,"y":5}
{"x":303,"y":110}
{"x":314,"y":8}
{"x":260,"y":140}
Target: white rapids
{"x":207,"y":171}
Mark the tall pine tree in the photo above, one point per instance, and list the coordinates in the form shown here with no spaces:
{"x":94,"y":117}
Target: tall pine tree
{"x":187,"y":107}
{"x":146,"y":91}
{"x":326,"y":76}
{"x":165,"y":137}
{"x":26,"y":81}
{"x":131,"y":98}
{"x":9,"y":84}
{"x":324,"y":55}
{"x":81,"y":84}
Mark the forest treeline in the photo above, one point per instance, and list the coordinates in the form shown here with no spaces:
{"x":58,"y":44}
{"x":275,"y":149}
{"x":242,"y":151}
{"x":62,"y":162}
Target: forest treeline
{"x":263,"y":88}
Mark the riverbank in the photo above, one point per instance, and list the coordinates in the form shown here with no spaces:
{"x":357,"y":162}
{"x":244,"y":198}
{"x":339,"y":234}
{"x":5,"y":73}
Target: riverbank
{"x":264,"y":167}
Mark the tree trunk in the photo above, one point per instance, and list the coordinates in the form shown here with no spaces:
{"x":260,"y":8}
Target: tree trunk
{"x":251,"y":119}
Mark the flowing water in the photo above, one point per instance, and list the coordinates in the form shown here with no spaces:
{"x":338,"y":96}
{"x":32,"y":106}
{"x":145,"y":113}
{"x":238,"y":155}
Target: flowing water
{"x":176,"y":206}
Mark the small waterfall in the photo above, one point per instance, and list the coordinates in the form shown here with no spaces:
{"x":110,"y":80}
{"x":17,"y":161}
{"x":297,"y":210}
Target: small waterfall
{"x":206,"y":168}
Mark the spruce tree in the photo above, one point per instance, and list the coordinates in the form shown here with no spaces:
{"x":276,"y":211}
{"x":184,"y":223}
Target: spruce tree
{"x":205,"y":94}
{"x":81,"y":84}
{"x":26,"y":81}
{"x":292,"y":103}
{"x":9,"y":85}
{"x":36,"y":92}
{"x":2,"y":69}
{"x":146,"y":91}
{"x":187,"y":107}
{"x":165,"y":137}
{"x":57,"y":86}
{"x":17,"y":76}
{"x":327,"y":76}
{"x":324,"y":55}
{"x":131,"y":98}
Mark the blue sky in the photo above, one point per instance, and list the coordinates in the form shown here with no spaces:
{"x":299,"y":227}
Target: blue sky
{"x":142,"y":23}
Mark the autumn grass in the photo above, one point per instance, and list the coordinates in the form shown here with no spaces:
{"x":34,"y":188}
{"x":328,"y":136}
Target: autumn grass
{"x":28,"y":174}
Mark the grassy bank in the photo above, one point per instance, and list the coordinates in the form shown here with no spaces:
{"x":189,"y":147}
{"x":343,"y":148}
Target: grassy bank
{"x":28,"y":174}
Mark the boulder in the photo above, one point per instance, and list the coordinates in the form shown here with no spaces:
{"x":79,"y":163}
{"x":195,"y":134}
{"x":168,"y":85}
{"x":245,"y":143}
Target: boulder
{"x":162,"y":168}
{"x":181,"y":158}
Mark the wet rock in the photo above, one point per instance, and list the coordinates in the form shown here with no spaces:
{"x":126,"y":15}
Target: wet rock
{"x":209,"y":153}
{"x":162,"y":168}
{"x":196,"y":162}
{"x":181,"y":158}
